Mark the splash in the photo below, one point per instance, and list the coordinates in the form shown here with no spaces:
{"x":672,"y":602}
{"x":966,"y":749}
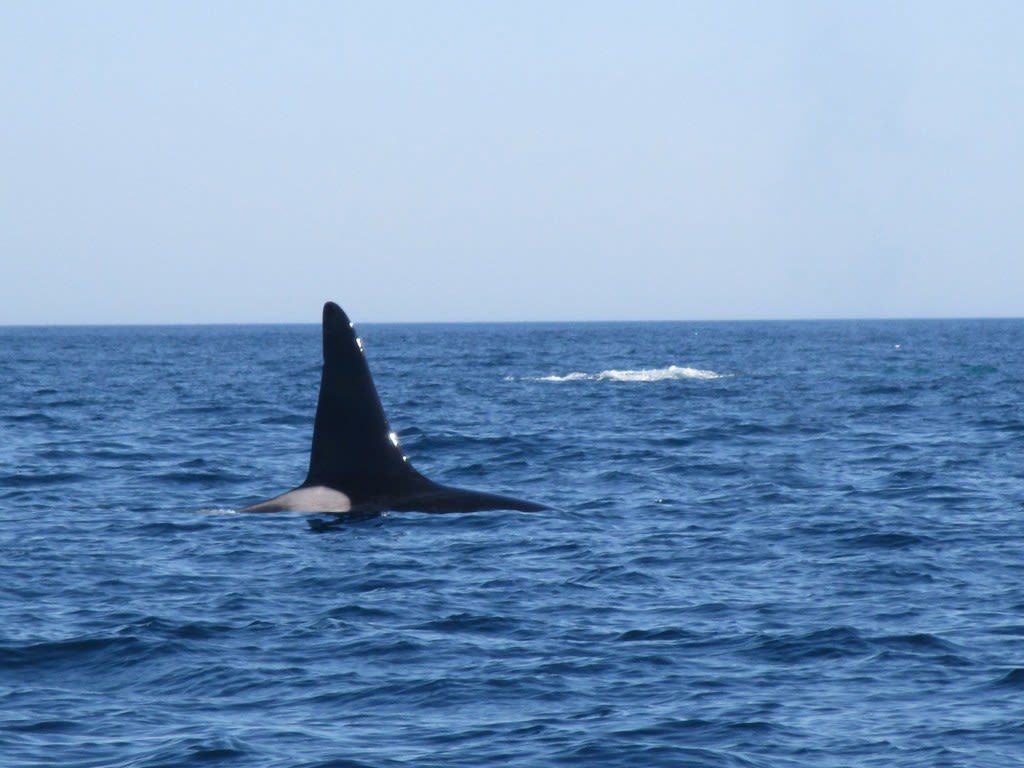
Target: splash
{"x":673,"y":372}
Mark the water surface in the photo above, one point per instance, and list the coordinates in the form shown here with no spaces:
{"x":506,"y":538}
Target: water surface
{"x":771,"y":544}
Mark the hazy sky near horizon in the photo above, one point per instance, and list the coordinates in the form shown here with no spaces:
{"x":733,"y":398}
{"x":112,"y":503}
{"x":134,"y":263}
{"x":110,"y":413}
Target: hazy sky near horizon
{"x":414,"y":161}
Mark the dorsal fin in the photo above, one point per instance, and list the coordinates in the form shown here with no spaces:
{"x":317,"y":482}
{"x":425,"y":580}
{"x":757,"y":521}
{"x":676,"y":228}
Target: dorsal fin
{"x":355,"y":464}
{"x":352,"y":446}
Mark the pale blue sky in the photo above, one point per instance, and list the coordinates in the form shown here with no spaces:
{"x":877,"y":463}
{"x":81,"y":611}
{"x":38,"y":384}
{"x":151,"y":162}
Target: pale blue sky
{"x":244,"y":161}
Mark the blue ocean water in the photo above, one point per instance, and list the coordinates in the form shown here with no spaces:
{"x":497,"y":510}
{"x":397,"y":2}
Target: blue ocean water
{"x":770,"y":544}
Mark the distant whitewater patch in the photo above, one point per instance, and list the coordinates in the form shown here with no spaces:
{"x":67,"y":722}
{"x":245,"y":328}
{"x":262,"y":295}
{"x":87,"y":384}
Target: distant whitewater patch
{"x":673,"y":372}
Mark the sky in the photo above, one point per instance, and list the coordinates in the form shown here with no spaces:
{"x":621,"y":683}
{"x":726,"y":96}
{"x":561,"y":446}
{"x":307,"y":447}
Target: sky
{"x":207,"y":162}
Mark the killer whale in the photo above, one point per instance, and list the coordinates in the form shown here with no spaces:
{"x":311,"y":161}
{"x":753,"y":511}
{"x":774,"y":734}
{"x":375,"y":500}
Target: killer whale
{"x":355,"y":463}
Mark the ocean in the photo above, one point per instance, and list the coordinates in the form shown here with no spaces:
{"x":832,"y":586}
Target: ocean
{"x":768,"y":544}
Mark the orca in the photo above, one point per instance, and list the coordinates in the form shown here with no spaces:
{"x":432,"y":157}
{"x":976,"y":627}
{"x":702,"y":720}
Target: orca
{"x":355,"y":463}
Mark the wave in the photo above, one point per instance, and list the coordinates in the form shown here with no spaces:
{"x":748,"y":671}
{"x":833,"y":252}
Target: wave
{"x":672,"y":372}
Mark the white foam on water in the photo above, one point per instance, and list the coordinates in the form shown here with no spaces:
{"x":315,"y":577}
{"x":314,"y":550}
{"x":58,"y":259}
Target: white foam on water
{"x":647,"y":374}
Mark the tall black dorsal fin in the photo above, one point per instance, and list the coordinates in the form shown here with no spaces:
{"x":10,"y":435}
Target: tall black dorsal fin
{"x":355,"y":464}
{"x":353,"y":446}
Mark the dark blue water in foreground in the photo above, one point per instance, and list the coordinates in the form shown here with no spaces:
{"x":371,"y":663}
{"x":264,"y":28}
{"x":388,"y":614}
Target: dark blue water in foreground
{"x":773,"y":544}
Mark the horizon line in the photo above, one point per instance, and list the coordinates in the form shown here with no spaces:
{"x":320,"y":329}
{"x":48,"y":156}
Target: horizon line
{"x":232,"y":323}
